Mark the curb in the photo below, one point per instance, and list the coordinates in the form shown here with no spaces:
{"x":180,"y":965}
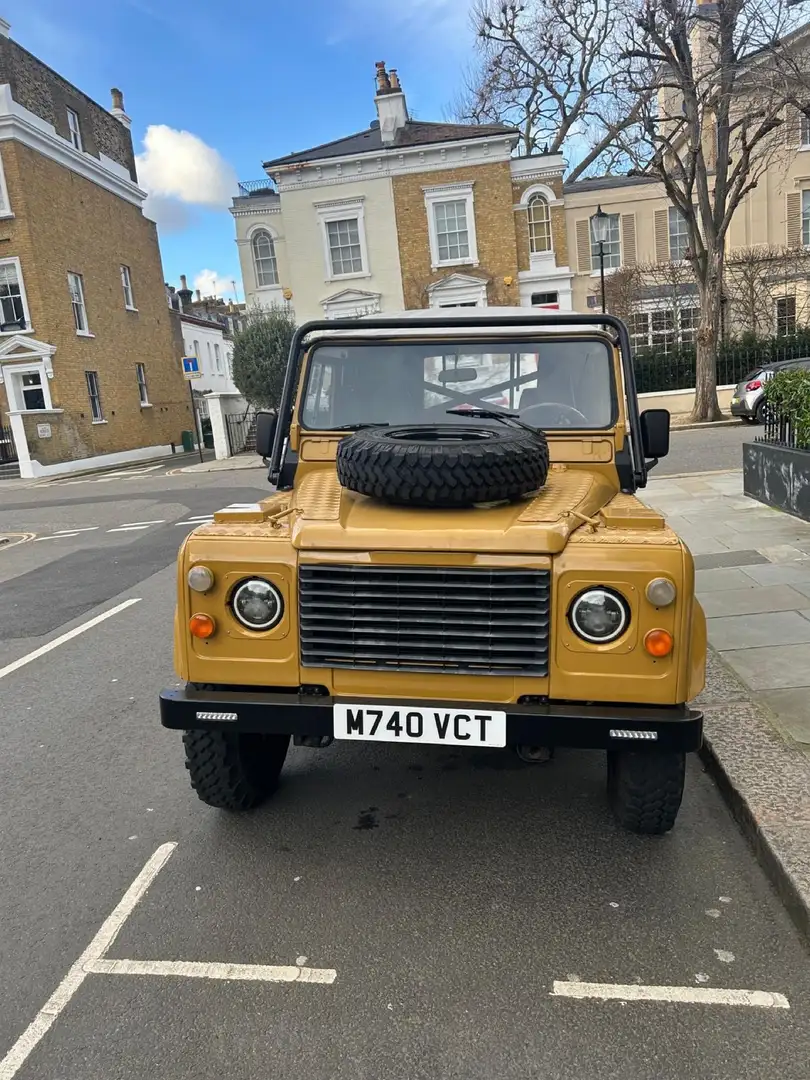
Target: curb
{"x":701,"y":427}
{"x":744,"y":753}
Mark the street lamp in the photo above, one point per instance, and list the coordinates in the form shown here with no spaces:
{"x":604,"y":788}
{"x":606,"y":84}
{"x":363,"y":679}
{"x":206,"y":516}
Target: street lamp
{"x":600,"y":225}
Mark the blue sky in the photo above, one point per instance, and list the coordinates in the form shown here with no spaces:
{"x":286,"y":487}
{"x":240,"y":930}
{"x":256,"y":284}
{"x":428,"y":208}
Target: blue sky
{"x":250,"y":81}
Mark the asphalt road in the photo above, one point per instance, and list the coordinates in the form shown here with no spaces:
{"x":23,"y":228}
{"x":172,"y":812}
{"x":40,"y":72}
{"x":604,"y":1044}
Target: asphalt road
{"x":447,"y":893}
{"x":703,"y":450}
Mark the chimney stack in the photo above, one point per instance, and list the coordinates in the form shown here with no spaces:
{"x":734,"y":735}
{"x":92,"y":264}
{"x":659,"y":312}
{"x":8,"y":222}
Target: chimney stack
{"x":117,"y":109}
{"x":5,"y":28}
{"x":392,"y":110}
{"x":184,"y":292}
{"x":199,"y":296}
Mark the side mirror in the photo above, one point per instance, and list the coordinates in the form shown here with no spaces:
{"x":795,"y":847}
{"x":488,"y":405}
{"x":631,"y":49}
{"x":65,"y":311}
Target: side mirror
{"x":265,"y":433}
{"x":655,"y":433}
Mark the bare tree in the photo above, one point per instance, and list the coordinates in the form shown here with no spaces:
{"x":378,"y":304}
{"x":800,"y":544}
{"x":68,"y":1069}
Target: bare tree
{"x":548,"y":67}
{"x":723,"y":74}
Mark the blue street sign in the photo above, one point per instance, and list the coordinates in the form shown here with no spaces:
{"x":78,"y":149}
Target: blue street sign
{"x":191,"y":367}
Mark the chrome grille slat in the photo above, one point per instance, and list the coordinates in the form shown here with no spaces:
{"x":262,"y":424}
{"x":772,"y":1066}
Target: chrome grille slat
{"x":430,"y":619}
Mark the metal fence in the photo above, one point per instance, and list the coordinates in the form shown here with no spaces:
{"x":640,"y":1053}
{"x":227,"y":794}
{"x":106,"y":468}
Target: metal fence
{"x":241,"y":428}
{"x":778,"y":430}
{"x":656,"y":371}
{"x":8,"y":451}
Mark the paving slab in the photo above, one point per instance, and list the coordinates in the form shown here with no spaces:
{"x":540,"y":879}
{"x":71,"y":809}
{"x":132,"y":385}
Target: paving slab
{"x":771,"y":667}
{"x":767,"y":629}
{"x":759,"y":600}
{"x":749,"y":557}
{"x":791,"y":706}
{"x":710,"y":581}
{"x":796,"y":574}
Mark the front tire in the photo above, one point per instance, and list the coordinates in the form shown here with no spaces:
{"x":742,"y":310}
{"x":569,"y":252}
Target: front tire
{"x":645,"y":789}
{"x":231,"y":771}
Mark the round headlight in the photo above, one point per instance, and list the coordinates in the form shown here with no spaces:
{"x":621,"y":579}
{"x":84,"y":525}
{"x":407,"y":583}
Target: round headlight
{"x":660,"y":592}
{"x":599,"y":615}
{"x":257,"y":604}
{"x":200,"y":578}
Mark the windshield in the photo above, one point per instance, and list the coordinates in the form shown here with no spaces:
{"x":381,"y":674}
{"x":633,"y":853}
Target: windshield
{"x":549,"y":384}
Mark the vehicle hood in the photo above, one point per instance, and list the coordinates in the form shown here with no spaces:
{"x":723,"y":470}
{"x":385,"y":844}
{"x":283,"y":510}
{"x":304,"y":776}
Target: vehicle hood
{"x":329,"y":517}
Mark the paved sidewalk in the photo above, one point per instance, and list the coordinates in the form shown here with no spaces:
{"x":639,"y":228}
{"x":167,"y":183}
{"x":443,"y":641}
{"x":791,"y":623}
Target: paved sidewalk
{"x":241,"y":461}
{"x":753,"y":580}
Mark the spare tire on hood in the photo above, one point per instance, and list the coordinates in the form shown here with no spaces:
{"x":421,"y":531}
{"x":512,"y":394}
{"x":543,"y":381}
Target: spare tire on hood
{"x":443,"y":465}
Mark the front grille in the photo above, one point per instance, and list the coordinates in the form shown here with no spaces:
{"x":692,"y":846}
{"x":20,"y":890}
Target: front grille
{"x":425,"y":618}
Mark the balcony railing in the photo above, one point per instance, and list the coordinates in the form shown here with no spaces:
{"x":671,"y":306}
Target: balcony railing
{"x":257,"y":187}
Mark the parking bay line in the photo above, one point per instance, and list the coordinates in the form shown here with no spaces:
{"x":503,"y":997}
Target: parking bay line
{"x":15,"y":665}
{"x":92,"y":962}
{"x":128,"y":528}
{"x":131,"y":524}
{"x":224,"y":972}
{"x":47,"y":1015}
{"x":682,"y":995}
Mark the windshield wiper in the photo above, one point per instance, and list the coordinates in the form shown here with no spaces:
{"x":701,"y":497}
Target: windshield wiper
{"x":509,"y":418}
{"x":358,"y":427}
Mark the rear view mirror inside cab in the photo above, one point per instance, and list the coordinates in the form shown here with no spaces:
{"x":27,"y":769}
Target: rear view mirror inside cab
{"x":460,"y":374}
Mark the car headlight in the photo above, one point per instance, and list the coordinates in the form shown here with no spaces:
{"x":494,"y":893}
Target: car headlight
{"x":599,"y":615}
{"x":257,"y":604}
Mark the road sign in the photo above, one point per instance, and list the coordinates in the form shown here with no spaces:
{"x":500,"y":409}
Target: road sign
{"x":191,"y":367}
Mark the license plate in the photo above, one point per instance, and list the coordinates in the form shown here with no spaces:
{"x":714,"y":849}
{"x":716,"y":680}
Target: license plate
{"x":735,"y":401}
{"x":407,"y":724}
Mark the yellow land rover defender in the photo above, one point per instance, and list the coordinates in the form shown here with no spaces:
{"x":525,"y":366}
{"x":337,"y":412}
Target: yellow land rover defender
{"x":453,"y":555}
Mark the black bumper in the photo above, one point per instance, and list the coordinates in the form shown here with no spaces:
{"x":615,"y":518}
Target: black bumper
{"x":548,"y":724}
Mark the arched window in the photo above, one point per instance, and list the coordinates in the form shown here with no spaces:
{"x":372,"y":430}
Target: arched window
{"x":264,"y":259}
{"x":539,"y":224}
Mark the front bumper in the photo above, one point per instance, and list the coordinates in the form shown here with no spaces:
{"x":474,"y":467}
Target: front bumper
{"x":542,"y":724}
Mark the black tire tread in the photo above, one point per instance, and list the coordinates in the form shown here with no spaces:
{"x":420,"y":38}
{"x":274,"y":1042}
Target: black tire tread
{"x":437,"y":474}
{"x":646,"y":789}
{"x":230,"y":771}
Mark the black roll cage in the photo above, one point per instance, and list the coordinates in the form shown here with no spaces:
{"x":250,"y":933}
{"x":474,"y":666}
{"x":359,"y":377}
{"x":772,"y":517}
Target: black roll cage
{"x":462,"y":322}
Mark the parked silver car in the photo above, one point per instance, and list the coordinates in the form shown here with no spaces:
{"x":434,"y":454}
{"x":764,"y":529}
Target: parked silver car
{"x":748,"y":401}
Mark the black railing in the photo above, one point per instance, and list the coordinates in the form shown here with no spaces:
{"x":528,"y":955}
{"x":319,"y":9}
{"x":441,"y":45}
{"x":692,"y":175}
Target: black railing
{"x":657,"y":371}
{"x":241,"y":428}
{"x":779,"y":430}
{"x":8,"y":451}
{"x":257,"y":187}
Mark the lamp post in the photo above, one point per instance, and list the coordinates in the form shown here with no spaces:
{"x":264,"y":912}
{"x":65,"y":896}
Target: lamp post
{"x":600,"y":224}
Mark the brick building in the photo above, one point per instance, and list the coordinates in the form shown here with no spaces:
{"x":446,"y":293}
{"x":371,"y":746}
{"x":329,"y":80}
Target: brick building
{"x":405,"y":213}
{"x":89,"y":356}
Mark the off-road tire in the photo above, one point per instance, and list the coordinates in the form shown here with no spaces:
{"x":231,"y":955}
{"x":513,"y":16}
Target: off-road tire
{"x":443,"y":465}
{"x":231,"y":771}
{"x":645,"y":788}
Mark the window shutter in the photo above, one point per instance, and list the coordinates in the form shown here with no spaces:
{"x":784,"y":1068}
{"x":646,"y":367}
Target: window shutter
{"x":662,"y":236}
{"x":628,"y":239}
{"x":792,"y":129}
{"x":793,"y":218}
{"x":584,"y":246}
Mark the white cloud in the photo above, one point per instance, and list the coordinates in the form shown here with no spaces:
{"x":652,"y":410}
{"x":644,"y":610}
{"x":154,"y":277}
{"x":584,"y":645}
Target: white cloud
{"x":179,"y":165}
{"x":210,"y":283}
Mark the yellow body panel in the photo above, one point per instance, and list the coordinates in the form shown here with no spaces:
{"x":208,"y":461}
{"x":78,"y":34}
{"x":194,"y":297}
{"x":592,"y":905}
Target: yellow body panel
{"x":579,"y":526}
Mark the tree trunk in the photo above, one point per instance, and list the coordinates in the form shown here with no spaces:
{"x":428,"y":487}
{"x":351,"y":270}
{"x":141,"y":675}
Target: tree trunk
{"x":710,"y":291}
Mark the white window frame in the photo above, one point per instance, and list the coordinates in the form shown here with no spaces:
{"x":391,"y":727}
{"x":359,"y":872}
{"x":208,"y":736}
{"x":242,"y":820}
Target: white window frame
{"x":100,"y":418}
{"x":210,"y":357}
{"x":262,"y":230}
{"x":14,"y":393}
{"x":217,"y":358}
{"x":539,"y":199}
{"x":806,"y":217}
{"x":675,"y":217}
{"x":126,"y":285}
{"x":343,"y":210}
{"x":143,"y":385}
{"x":792,"y":316}
{"x":444,"y":193}
{"x":610,"y":267}
{"x":28,"y":328}
{"x":79,"y":307}
{"x":75,"y":129}
{"x":804,"y":129}
{"x":5,"y":202}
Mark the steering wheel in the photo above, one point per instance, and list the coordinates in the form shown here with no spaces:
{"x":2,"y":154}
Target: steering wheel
{"x":566,"y":413}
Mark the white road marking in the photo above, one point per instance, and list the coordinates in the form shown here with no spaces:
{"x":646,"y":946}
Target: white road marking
{"x":85,"y":528}
{"x":128,"y":528}
{"x":196,"y":521}
{"x":160,"y":521}
{"x":47,"y":1015}
{"x":56,"y":536}
{"x":682,"y":995}
{"x":228,"y":972}
{"x":17,"y":664}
